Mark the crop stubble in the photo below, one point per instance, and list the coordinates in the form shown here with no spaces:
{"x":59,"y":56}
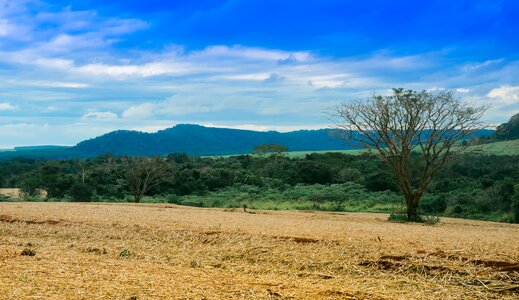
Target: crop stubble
{"x":127,"y":251}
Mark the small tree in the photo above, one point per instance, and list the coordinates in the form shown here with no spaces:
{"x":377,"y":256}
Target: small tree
{"x":415,"y":133}
{"x":140,"y":174}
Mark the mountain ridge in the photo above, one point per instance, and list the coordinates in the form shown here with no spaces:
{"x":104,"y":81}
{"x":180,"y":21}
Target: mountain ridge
{"x":201,"y":140}
{"x":191,"y":139}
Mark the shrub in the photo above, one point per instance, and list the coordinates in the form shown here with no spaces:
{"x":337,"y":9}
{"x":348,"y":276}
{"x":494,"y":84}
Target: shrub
{"x":434,"y":204}
{"x":398,"y":218}
{"x":402,"y":218}
{"x":174,"y":199}
{"x":81,"y":192}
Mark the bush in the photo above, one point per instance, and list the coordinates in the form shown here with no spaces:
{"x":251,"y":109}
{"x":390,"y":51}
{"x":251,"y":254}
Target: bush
{"x":174,"y":199}
{"x":397,"y":218}
{"x":402,"y":218}
{"x":81,"y":192}
{"x":434,"y":204}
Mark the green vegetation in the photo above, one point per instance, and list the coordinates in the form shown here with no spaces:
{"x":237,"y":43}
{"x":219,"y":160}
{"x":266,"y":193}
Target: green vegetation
{"x":497,"y":148}
{"x":488,"y":148}
{"x":477,"y":186}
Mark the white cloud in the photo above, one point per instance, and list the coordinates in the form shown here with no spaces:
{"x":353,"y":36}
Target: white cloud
{"x":251,"y":53}
{"x":505,"y":94}
{"x":128,"y":71}
{"x":462,"y":90}
{"x":55,"y":63}
{"x":482,"y":65}
{"x":6,"y":106}
{"x":89,"y":20}
{"x":182,"y":104}
{"x":100,"y":115}
{"x":5,"y":28}
{"x":252,"y":76}
{"x":269,"y":127}
{"x":436,"y":89}
{"x":59,"y":84}
{"x":327,"y":81}
{"x":63,"y":43}
{"x":141,"y":111}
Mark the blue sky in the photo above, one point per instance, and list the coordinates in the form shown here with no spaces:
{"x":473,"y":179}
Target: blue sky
{"x":72,"y":70}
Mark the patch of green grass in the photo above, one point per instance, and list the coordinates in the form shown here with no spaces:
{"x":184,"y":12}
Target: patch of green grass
{"x":497,"y":148}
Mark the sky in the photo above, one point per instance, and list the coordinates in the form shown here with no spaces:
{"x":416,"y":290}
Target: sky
{"x":73,"y":70}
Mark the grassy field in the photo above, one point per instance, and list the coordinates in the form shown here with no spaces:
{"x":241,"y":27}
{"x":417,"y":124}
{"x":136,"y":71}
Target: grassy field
{"x":499,"y":148}
{"x":495,"y":148}
{"x":126,"y":251}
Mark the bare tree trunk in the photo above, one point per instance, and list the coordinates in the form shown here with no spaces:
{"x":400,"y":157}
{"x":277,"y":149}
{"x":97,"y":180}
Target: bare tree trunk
{"x":412,"y":209}
{"x":137,"y":198}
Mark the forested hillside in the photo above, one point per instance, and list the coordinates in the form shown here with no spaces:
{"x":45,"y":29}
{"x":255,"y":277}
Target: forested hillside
{"x":508,"y":130}
{"x":200,"y":140}
{"x":184,"y":138}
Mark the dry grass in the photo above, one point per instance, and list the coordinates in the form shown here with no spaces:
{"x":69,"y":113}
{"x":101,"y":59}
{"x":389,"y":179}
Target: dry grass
{"x":114,"y":251}
{"x":12,"y":193}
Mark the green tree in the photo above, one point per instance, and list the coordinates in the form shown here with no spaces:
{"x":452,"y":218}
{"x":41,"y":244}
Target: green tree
{"x":31,"y":184}
{"x":140,"y":174}
{"x":54,"y":180}
{"x":407,"y":121}
{"x":81,"y":192}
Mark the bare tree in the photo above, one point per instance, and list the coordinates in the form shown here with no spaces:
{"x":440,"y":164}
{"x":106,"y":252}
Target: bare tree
{"x":139,"y":174}
{"x":410,"y":124}
{"x":82,"y":165}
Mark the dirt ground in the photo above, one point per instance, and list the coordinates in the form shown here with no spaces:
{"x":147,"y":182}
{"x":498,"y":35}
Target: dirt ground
{"x":127,"y":251}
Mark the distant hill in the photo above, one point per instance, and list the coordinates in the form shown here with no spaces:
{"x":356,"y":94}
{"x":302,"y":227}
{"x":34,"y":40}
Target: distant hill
{"x":190,"y":139}
{"x":200,"y":140}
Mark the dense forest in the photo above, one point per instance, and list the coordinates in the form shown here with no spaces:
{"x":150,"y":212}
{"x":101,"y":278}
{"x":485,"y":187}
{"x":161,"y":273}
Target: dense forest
{"x":476,"y":186}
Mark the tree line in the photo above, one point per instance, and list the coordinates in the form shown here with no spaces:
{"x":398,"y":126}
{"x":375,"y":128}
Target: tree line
{"x":476,"y":186}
